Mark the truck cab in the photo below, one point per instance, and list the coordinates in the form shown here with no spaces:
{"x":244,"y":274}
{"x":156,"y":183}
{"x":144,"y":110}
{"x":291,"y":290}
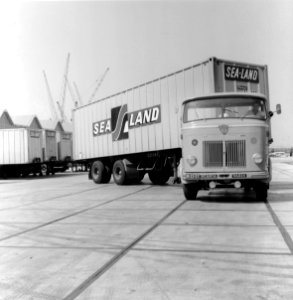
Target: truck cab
{"x":225,"y":143}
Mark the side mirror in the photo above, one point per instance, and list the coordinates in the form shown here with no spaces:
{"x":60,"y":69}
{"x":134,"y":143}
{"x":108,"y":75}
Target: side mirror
{"x":278,"y":110}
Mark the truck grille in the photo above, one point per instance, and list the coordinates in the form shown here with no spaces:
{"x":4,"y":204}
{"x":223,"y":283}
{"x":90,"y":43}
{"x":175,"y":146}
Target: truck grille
{"x":224,"y":153}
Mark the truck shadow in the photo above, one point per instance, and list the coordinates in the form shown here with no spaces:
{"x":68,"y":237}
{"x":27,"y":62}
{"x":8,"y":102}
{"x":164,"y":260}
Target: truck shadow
{"x":38,"y":177}
{"x":229,"y":196}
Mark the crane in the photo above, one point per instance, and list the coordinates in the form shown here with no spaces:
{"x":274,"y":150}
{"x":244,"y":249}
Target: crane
{"x":98,"y":85}
{"x":51,"y":101}
{"x":73,"y":97}
{"x":61,"y":104}
{"x":77,"y":93}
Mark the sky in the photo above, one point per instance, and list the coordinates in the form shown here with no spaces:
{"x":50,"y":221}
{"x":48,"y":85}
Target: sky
{"x":138,"y":41}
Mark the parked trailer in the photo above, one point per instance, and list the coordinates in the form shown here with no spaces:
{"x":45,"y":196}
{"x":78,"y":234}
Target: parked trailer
{"x":57,"y":146}
{"x":27,"y":133}
{"x":138,"y":131}
{"x":64,"y":143}
{"x":20,"y":151}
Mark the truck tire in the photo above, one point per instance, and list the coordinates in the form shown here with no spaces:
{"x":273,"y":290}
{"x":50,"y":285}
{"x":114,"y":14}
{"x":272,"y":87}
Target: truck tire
{"x":107,"y":175}
{"x":159,"y":177}
{"x":261,"y":192}
{"x":44,"y":169}
{"x":119,"y":173}
{"x":190,"y":191}
{"x":99,"y":172}
{"x":138,"y":179}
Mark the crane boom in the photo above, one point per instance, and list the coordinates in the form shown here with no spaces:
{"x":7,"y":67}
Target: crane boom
{"x":63,"y":89}
{"x":52,"y":106}
{"x":98,"y":85}
{"x":72,"y":93}
{"x":77,"y":93}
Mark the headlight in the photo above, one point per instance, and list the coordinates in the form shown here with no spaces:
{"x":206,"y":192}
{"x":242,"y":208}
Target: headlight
{"x":192,"y":160}
{"x":257,"y":158}
{"x":194,"y":142}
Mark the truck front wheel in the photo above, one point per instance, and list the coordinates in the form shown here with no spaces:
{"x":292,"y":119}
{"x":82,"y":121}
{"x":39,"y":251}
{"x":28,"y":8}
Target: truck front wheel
{"x":261,"y":192}
{"x":119,"y":173}
{"x":190,"y":191}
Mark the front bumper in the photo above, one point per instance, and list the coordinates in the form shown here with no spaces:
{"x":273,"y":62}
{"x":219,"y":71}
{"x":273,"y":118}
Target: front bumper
{"x":190,"y":177}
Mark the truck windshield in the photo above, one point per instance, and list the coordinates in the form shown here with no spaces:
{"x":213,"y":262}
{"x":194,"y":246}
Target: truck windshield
{"x":231,"y":107}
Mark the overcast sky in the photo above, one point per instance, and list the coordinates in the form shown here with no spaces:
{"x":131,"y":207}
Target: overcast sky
{"x":139,"y":41}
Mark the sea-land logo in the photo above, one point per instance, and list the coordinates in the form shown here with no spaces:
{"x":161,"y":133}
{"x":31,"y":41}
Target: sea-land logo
{"x":241,"y":73}
{"x":121,"y":121}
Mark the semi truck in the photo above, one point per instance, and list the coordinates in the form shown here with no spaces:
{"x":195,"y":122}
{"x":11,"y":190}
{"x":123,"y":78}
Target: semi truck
{"x":193,"y":124}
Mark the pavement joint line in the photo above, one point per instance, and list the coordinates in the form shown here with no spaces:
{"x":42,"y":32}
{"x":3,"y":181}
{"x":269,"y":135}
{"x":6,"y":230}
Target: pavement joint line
{"x":96,"y":275}
{"x":51,"y":198}
{"x":211,"y":251}
{"x":71,"y":215}
{"x":218,"y":225}
{"x":286,"y":236}
{"x":163,"y":250}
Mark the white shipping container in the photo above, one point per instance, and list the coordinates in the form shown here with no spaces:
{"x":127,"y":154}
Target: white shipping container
{"x":147,"y":117}
{"x":20,"y":146}
{"x":64,"y":141}
{"x":49,"y":145}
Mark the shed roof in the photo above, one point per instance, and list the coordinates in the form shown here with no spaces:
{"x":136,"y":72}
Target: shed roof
{"x":48,"y":124}
{"x":30,"y":121}
{"x":6,"y":121}
{"x":67,"y":126}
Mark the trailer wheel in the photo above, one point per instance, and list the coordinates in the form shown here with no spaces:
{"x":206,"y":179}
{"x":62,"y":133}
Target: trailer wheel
{"x":159,"y":177}
{"x":107,"y":175}
{"x":261,"y":192}
{"x":138,"y":179}
{"x":98,"y":171}
{"x":119,"y":173}
{"x":44,"y":170}
{"x":190,"y":191}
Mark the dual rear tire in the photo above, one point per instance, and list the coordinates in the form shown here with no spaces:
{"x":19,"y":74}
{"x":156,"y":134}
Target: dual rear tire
{"x":100,"y":172}
{"x":124,"y":172}
{"x":119,"y":172}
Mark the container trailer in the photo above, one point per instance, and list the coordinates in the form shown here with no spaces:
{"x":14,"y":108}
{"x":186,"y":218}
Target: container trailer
{"x":20,"y":145}
{"x":20,"y":151}
{"x":29,"y":146}
{"x":193,"y":118}
{"x":57,"y":146}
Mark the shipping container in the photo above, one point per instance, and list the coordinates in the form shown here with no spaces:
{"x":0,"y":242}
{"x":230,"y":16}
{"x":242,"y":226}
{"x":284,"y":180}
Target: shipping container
{"x":59,"y":141}
{"x":20,"y":146}
{"x":141,"y":126}
{"x":151,"y":111}
{"x":64,"y":141}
